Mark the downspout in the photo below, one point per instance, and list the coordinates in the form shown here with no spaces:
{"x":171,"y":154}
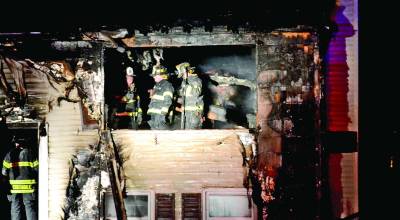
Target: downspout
{"x":43,"y":171}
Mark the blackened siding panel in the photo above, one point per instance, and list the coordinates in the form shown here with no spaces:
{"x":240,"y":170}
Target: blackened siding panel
{"x":66,"y":138}
{"x":36,"y":88}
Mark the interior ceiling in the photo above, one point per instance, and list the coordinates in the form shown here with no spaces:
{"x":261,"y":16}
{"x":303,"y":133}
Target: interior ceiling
{"x":99,"y":16}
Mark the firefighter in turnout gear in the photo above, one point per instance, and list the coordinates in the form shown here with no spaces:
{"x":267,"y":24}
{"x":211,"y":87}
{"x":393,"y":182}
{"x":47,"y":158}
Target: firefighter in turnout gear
{"x":191,"y":100}
{"x":132,"y":102}
{"x":21,"y":166}
{"x":161,"y":99}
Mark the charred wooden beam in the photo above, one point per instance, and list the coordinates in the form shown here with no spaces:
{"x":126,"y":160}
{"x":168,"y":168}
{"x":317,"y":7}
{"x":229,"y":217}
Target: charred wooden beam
{"x":115,"y":172}
{"x":230,"y":80}
{"x":116,"y":190}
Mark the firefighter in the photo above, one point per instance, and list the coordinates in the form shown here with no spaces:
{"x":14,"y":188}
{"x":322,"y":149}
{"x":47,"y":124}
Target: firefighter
{"x":21,"y":165}
{"x":160,"y":99}
{"x":131,"y":100}
{"x":191,"y":99}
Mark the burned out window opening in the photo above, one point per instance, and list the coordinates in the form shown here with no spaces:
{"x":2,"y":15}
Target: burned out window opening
{"x":227,"y":84}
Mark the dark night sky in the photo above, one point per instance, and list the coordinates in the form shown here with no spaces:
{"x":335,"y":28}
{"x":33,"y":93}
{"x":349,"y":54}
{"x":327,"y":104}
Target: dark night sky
{"x":69,"y":15}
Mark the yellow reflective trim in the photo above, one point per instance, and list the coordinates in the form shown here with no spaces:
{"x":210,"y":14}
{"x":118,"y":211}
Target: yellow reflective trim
{"x":132,"y":113}
{"x":167,"y":94}
{"x":35,"y":163}
{"x":25,"y":164}
{"x":161,"y":111}
{"x":8,"y":165}
{"x":139,"y":110}
{"x":190,"y":108}
{"x":19,"y":182}
{"x":23,"y":191}
{"x":164,"y":109}
{"x":23,"y":186}
{"x":193,"y":108}
{"x":131,"y":101}
{"x":154,"y":110}
{"x":157,"y":97}
{"x":188,"y":91}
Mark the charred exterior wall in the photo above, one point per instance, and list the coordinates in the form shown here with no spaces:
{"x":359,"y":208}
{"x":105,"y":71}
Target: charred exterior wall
{"x":288,"y":164}
{"x":66,"y":139}
{"x":288,"y":94}
{"x":287,"y":118}
{"x":287,"y":63}
{"x":37,"y":90}
{"x":37,"y":82}
{"x":70,"y":104}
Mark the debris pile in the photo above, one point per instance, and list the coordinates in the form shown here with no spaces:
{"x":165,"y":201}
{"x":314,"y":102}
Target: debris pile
{"x":93,"y":171}
{"x":17,"y":114}
{"x":87,"y":182}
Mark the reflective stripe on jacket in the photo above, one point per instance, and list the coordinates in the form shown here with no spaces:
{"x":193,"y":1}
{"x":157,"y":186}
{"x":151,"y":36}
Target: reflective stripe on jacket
{"x":191,"y":91}
{"x":21,"y":166}
{"x":161,"y":99}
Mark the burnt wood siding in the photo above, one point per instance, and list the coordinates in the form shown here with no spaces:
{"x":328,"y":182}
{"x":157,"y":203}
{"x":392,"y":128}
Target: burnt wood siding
{"x":66,"y":138}
{"x":36,"y":88}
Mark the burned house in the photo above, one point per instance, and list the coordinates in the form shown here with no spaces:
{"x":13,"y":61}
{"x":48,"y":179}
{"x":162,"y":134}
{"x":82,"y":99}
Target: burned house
{"x":262,"y":91}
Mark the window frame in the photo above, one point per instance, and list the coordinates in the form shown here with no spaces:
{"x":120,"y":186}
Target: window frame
{"x":226,"y":191}
{"x":150,"y":205}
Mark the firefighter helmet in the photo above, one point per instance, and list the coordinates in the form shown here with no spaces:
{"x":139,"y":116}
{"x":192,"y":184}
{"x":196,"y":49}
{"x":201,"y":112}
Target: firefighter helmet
{"x":185,"y":66}
{"x":129,"y":71}
{"x":159,"y":70}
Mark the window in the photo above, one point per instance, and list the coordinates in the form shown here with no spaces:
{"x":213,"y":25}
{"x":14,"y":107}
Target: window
{"x":227,"y":204}
{"x":138,"y":205}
